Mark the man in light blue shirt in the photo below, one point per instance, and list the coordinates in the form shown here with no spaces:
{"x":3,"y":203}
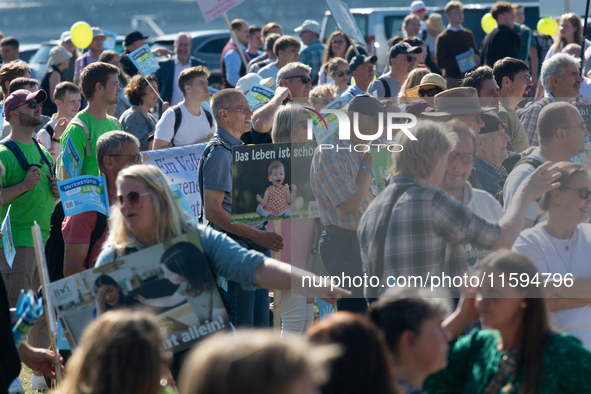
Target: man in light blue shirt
{"x":312,"y":55}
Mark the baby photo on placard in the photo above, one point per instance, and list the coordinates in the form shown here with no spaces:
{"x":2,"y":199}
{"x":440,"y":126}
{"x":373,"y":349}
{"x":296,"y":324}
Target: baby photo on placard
{"x":272,"y":182}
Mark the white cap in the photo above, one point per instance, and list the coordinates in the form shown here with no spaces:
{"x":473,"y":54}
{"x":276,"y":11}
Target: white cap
{"x":309,"y":25}
{"x":65,"y":36}
{"x":97,"y":32}
{"x":417,"y":5}
{"x":246,"y":82}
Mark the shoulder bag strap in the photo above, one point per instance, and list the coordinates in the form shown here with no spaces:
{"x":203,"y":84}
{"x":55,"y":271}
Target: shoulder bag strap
{"x":79,"y":122}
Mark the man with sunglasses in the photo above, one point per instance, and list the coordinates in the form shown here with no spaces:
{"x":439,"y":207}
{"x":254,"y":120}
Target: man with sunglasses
{"x":562,"y":136}
{"x":30,"y":193}
{"x":116,"y":150}
{"x":402,"y":59}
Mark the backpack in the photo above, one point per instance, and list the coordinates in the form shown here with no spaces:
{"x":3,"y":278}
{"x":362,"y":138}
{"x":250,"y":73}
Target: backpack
{"x":20,"y":157}
{"x":544,"y":43}
{"x":49,"y":130}
{"x":178,"y":119}
{"x":388,"y":92}
{"x":55,"y":246}
{"x":535,"y":163}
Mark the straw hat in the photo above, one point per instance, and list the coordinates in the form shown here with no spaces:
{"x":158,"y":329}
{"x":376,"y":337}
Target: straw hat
{"x":435,"y":21}
{"x":429,"y":79}
{"x":458,"y":101}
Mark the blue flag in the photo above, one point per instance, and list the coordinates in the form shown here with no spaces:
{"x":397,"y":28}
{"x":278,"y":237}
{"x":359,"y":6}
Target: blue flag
{"x":143,"y":59}
{"x":84,"y":193}
{"x":71,"y":159}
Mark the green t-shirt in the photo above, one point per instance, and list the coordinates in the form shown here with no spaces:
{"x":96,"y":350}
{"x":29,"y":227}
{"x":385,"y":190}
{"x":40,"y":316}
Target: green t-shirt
{"x":96,"y":128}
{"x":36,"y":204}
{"x":474,"y":360}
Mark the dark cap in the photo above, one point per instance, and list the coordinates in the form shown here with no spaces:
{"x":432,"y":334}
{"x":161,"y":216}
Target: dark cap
{"x":133,"y":37}
{"x":403,"y":47}
{"x":366,"y":104}
{"x":492,"y":123}
{"x":361,"y":59}
{"x":20,"y":96}
{"x":419,"y":107}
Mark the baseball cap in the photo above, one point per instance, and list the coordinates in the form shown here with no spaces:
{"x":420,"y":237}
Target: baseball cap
{"x":65,"y":36}
{"x":366,"y":104}
{"x":20,"y":96}
{"x":245,"y":83}
{"x":133,"y":37}
{"x":492,"y":123}
{"x":361,"y":59}
{"x":418,"y":6}
{"x":97,"y":32}
{"x":309,"y":25}
{"x":403,"y":47}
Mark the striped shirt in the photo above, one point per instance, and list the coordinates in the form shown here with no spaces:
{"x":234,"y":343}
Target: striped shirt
{"x":427,"y":232}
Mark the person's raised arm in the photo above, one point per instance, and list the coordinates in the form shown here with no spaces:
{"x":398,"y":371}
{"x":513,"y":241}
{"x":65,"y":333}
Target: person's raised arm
{"x":262,"y":119}
{"x":216,"y":214}
{"x":363,"y":182}
{"x":534,"y":186}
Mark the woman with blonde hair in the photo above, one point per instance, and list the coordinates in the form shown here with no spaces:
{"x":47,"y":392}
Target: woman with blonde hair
{"x":413,"y":79}
{"x":322,"y":95}
{"x":120,"y":352}
{"x":570,"y":31}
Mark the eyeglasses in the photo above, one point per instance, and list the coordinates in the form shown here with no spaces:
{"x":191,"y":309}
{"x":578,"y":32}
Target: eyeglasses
{"x":32,"y":104}
{"x":583,"y":193}
{"x":429,"y":92}
{"x":244,"y":110}
{"x":305,"y":79}
{"x":465,"y":158}
{"x":132,"y":197}
{"x":342,"y":73}
{"x":526,"y":79}
{"x":409,"y":59}
{"x":137,"y":159}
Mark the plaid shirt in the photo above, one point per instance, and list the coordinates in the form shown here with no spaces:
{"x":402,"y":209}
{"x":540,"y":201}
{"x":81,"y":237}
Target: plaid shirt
{"x":333,"y":176}
{"x":427,"y":232}
{"x":312,"y":56}
{"x":529,"y":118}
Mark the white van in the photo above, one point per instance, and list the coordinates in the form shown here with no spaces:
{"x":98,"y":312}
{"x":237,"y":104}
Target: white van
{"x":379,"y":24}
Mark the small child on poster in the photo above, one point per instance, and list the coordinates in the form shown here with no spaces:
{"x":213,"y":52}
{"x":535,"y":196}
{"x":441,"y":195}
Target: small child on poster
{"x":277,"y":199}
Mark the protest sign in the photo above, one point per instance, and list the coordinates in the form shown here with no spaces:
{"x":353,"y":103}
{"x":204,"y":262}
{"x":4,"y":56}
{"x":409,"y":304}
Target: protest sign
{"x":84,"y":193}
{"x":189,"y":310}
{"x":326,"y":124}
{"x":110,"y":40}
{"x":179,"y":165}
{"x":467,"y":60}
{"x":9,"y":250}
{"x":143,"y":59}
{"x":213,"y":9}
{"x":71,"y":159}
{"x":345,"y":20}
{"x":382,"y":161}
{"x":258,"y":95}
{"x":272,"y":182}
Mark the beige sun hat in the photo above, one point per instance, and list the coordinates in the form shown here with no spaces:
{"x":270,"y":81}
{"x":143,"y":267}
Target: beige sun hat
{"x":429,"y":79}
{"x":458,"y":101}
{"x":435,"y":22}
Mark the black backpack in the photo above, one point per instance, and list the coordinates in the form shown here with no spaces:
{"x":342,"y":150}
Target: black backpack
{"x":535,"y":163}
{"x":387,"y":92}
{"x":544,"y":43}
{"x":178,"y":119}
{"x":54,"y":246}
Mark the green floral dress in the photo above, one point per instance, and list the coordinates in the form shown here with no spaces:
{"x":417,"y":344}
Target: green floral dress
{"x":474,"y":360}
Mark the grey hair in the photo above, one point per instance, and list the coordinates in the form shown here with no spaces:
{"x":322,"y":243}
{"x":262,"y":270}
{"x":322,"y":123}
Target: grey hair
{"x":286,"y":122}
{"x":187,"y":35}
{"x":555,"y":66}
{"x":289,"y":70}
{"x":220,"y":100}
{"x":110,"y":144}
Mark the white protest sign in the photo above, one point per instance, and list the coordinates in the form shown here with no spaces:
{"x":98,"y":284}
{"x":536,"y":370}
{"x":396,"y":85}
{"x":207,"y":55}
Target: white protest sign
{"x":9,"y":250}
{"x":212,"y":9}
{"x":344,"y":20}
{"x":179,"y":165}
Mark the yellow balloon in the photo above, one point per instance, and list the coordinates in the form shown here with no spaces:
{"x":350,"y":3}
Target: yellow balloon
{"x":548,"y":26}
{"x":81,"y":34}
{"x":488,"y":23}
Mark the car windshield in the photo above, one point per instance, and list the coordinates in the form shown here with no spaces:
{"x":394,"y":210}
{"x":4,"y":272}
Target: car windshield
{"x":42,"y":55}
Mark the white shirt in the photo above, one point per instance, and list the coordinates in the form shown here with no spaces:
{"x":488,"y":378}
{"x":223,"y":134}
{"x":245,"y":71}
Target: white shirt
{"x":450,"y":27}
{"x":177,"y":94}
{"x":270,"y":70}
{"x":549,"y":256}
{"x":586,"y":90}
{"x":44,"y":137}
{"x":192,"y":128}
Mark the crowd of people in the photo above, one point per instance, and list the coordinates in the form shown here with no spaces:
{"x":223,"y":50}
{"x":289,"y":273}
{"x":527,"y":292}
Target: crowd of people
{"x":492,"y":180}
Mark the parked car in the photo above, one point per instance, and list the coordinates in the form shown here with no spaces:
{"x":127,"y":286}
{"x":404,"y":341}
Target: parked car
{"x":377,"y":25}
{"x":206,"y":45}
{"x":25,"y":51}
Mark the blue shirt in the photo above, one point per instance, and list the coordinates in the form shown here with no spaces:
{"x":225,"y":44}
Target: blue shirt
{"x":352,"y":91}
{"x":491,"y":177}
{"x":229,"y":259}
{"x":232,"y":62}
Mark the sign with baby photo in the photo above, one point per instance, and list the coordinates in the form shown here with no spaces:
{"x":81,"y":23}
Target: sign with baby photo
{"x":272,"y":182}
{"x":173,"y":278}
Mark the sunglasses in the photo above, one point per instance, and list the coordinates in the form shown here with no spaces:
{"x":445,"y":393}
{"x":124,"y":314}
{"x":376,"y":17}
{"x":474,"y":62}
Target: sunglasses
{"x":583,"y":193}
{"x":132,"y":197}
{"x":137,"y":159}
{"x":305,"y":80}
{"x":429,"y":92}
{"x":465,"y":158}
{"x":342,"y":73}
{"x":409,"y":59}
{"x":32,"y":104}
